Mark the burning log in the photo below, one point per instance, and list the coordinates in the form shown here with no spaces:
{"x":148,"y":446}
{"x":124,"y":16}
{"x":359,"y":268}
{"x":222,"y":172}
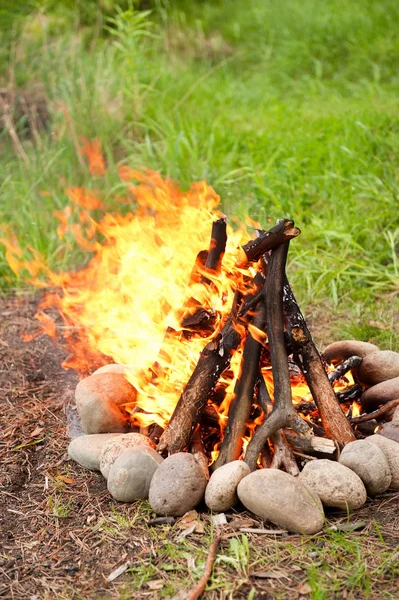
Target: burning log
{"x":217,"y":248}
{"x":305,"y":352}
{"x":240,"y":407}
{"x":376,"y":414}
{"x":283,"y":413}
{"x":343,"y":368}
{"x":214,"y":359}
{"x":283,"y":232}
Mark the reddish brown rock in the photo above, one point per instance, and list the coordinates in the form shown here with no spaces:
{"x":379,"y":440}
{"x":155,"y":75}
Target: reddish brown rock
{"x":380,"y":394}
{"x":379,"y":366}
{"x":99,"y":399}
{"x":339,"y":351}
{"x":390,"y":430}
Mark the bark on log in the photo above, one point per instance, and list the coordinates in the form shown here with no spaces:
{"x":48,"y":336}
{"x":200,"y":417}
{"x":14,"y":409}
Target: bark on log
{"x":283,"y":413}
{"x":214,"y":359}
{"x":267,"y":240}
{"x":283,"y":456}
{"x":334,"y":421}
{"x":240,"y":406}
{"x":312,"y":445}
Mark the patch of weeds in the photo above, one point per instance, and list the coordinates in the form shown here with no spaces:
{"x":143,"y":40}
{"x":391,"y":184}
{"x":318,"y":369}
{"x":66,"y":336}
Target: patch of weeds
{"x":58,"y":507}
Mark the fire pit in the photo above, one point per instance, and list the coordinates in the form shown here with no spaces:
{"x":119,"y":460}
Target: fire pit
{"x":207,"y":383}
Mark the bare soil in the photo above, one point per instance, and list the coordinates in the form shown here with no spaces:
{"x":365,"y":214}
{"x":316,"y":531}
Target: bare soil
{"x":61,"y":534}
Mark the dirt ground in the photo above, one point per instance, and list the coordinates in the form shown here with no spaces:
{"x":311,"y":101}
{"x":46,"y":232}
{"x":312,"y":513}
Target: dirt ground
{"x":62,"y":535}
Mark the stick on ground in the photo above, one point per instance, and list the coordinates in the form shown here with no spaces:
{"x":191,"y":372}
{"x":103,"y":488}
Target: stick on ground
{"x":196,"y":591}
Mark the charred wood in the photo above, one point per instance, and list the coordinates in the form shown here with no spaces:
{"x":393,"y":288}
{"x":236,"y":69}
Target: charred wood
{"x":283,"y":413}
{"x":376,"y":414}
{"x":214,"y":360}
{"x":265,"y":241}
{"x":217,"y":249}
{"x":308,"y":358}
{"x":343,"y":368}
{"x":240,"y":407}
{"x":284,"y":231}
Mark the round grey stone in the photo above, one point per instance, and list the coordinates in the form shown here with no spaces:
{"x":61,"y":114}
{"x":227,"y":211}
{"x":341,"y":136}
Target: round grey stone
{"x":335,"y":484}
{"x":391,"y":451}
{"x":283,"y":500}
{"x":86,"y":449}
{"x":339,"y":351}
{"x":178,"y":485}
{"x":379,"y":366}
{"x":369,"y":463}
{"x":221,"y":491}
{"x":380,"y":394}
{"x":114,"y":448}
{"x":131,"y":474}
{"x":99,"y":399}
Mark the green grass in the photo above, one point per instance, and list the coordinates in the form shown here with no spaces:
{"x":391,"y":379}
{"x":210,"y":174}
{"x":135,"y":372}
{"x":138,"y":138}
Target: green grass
{"x":287,"y":109}
{"x":330,"y":565}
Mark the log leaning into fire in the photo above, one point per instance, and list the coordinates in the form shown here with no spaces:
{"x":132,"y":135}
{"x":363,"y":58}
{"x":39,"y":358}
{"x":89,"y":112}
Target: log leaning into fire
{"x":214,"y":359}
{"x":240,"y":406}
{"x":283,"y":232}
{"x":283,"y":413}
{"x":308,"y":358}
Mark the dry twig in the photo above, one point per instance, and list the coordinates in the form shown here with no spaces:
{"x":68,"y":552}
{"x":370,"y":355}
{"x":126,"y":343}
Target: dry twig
{"x":197,"y":590}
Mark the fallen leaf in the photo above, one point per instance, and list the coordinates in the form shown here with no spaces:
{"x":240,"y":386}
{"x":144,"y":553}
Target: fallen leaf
{"x":199,"y":527}
{"x":64,"y":479}
{"x":37,"y":431}
{"x":271,"y":574}
{"x":118,"y":572}
{"x":155,"y":584}
{"x":295,"y":568}
{"x":238,"y":523}
{"x":304,"y":589}
{"x":187,"y":519}
{"x":186,"y":532}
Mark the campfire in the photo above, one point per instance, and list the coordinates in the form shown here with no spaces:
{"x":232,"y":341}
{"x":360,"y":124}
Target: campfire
{"x":196,"y":359}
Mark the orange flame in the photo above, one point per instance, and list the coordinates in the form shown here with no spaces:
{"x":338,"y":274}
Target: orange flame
{"x":138,"y":284}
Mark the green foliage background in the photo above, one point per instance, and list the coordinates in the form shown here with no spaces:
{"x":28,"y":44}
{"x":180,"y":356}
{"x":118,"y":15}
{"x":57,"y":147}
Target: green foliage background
{"x":287,"y":108}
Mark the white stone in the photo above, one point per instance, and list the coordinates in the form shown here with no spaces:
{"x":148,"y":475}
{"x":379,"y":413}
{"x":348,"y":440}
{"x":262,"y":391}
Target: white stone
{"x":114,"y":448}
{"x":368,"y":461}
{"x":221,"y":491}
{"x":131,"y":474}
{"x":178,"y":485}
{"x":282,"y":499}
{"x":335,"y":484}
{"x":86,"y":449}
{"x":391,"y":451}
